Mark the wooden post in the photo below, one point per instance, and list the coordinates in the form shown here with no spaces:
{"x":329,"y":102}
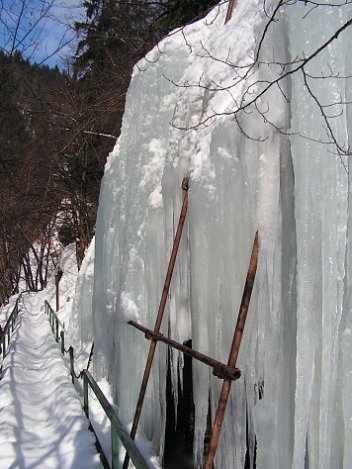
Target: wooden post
{"x":160,"y":314}
{"x":236,"y":342}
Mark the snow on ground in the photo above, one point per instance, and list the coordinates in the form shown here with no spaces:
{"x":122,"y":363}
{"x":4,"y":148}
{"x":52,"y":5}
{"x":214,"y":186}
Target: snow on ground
{"x":41,"y":419}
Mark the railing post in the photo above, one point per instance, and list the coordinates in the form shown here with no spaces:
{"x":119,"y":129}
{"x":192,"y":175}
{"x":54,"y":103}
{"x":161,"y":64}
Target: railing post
{"x":3,"y":344}
{"x":58,"y":276}
{"x":114,"y":448}
{"x":8,"y":329}
{"x":70,"y":351}
{"x":62,"y":335}
{"x":85,"y":396}
{"x":57,"y":330}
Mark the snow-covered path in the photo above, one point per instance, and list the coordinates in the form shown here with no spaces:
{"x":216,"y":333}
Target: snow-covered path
{"x":41,"y":420}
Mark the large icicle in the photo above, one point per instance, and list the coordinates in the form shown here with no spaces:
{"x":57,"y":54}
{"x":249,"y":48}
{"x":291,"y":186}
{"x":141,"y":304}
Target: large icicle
{"x":269,"y":170}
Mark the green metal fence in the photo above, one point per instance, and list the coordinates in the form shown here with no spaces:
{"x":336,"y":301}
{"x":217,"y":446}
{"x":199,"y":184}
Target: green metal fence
{"x":53,"y":320}
{"x":9,"y":327}
{"x":118,"y":431}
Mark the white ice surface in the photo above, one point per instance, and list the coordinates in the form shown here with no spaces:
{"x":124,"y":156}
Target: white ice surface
{"x":286,"y":181}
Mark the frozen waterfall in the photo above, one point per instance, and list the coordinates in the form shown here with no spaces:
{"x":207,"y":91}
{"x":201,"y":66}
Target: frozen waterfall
{"x":276,"y":166}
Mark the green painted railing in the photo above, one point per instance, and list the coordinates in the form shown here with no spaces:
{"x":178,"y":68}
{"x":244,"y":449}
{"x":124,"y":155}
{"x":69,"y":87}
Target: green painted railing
{"x":118,"y":431}
{"x":53,"y":320}
{"x":9,"y":327}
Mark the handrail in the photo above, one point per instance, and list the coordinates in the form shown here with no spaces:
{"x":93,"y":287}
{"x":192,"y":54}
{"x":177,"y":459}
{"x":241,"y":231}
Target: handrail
{"x":53,"y":320}
{"x":9,"y":327}
{"x":117,"y":428}
{"x":118,"y":431}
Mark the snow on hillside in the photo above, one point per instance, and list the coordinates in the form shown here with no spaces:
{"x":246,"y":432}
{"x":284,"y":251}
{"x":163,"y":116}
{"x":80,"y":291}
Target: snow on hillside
{"x":269,"y":171}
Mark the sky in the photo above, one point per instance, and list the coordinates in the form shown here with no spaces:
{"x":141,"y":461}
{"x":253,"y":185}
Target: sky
{"x":40,"y":29}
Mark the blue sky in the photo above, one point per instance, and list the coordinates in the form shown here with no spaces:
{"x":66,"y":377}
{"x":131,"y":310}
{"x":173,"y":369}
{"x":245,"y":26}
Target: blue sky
{"x":40,"y":29}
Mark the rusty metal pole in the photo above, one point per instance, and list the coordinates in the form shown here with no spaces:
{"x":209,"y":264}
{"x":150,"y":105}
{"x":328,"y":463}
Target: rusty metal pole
{"x":236,"y":342}
{"x":230,"y":10}
{"x":160,"y":314}
{"x":220,"y":370}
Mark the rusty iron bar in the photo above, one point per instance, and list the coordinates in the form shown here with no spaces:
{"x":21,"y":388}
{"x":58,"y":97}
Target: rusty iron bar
{"x":160,"y":314}
{"x":230,"y":10}
{"x":220,"y":370}
{"x":236,"y":342}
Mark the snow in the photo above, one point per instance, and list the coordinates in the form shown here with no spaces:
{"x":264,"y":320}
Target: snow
{"x":285,"y":182}
{"x":41,"y":420}
{"x":273,"y":170}
{"x":41,"y":417}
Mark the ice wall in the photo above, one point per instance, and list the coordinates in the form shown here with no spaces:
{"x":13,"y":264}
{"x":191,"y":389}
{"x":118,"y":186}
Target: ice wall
{"x":272,"y":167}
{"x":80,"y":331}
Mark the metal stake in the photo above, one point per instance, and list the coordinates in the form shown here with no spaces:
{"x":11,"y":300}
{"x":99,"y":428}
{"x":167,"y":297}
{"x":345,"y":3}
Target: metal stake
{"x":160,"y":314}
{"x":236,"y":342}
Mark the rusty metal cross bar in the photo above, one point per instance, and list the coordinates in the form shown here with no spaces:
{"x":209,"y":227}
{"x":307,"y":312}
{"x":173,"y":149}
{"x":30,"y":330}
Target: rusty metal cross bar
{"x":160,"y":314}
{"x":227,"y":372}
{"x":220,"y":370}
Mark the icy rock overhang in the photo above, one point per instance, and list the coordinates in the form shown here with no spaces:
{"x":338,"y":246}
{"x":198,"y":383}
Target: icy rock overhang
{"x":263,"y":134}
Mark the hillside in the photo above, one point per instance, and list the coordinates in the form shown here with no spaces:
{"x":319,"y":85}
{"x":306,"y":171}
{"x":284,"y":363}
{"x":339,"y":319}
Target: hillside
{"x":29,"y":194}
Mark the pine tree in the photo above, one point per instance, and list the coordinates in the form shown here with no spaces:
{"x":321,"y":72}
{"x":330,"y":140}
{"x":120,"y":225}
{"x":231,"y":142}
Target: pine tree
{"x":177,"y":13}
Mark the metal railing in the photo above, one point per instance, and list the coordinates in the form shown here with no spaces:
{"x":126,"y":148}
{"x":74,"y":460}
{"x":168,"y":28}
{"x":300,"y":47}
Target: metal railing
{"x":53,"y":320}
{"x":9,"y":327}
{"x":118,"y":431}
